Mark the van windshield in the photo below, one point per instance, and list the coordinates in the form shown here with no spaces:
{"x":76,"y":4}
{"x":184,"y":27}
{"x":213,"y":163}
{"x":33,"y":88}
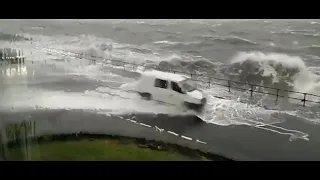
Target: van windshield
{"x":188,"y":85}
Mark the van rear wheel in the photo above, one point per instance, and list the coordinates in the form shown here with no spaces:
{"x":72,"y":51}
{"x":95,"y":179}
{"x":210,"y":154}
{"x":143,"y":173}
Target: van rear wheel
{"x":146,"y":96}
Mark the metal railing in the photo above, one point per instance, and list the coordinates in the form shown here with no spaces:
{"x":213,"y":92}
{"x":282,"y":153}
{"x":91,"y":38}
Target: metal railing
{"x":230,"y":84}
{"x":11,"y":56}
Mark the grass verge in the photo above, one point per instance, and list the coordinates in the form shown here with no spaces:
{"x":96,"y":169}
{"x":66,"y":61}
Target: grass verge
{"x":92,"y":150}
{"x":100,"y":147}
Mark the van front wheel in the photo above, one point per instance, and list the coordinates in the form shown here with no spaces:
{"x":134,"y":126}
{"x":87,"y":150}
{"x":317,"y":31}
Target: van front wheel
{"x":193,"y":106}
{"x":146,"y":96}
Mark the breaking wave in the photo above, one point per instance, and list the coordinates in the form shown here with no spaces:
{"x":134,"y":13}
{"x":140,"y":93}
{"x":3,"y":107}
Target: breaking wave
{"x":274,"y":70}
{"x":235,"y":40}
{"x":175,"y":43}
{"x":313,"y":47}
{"x":305,"y":32}
{"x":130,"y":54}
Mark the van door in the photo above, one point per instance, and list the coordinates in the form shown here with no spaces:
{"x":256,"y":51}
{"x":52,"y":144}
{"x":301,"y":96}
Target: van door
{"x":161,"y":91}
{"x":176,"y":95}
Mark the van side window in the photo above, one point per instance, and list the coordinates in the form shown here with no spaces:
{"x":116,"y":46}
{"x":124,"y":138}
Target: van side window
{"x":161,"y":83}
{"x":175,"y":87}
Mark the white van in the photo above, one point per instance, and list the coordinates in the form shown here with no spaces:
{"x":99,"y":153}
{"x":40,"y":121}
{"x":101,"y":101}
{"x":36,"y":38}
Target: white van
{"x":175,"y":89}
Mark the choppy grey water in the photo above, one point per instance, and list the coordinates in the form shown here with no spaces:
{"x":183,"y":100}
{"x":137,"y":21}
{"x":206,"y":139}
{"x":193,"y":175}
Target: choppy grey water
{"x":276,"y":53}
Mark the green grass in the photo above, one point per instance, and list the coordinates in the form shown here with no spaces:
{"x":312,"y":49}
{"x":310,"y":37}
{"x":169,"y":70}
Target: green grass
{"x":92,"y":150}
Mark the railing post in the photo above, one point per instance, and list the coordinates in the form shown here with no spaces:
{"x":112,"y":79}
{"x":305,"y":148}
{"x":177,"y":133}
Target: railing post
{"x":229,"y":85}
{"x":304,"y":99}
{"x":23,"y":56}
{"x":251,"y":90}
{"x":277,"y":95}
